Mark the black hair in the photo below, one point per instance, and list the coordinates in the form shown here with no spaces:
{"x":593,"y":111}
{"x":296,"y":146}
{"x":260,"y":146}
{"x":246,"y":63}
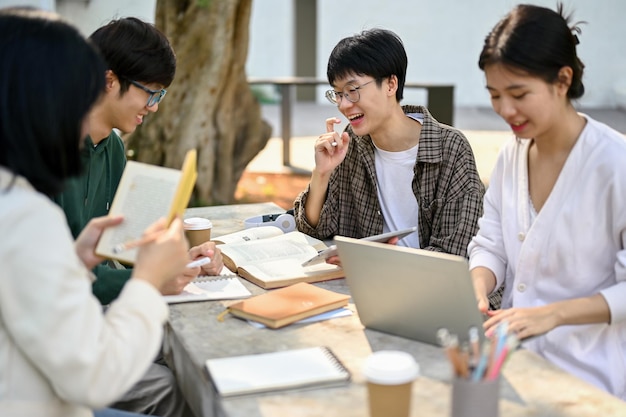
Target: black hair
{"x":136,"y":50}
{"x":50,"y":76}
{"x":538,"y":41}
{"x":378,"y":53}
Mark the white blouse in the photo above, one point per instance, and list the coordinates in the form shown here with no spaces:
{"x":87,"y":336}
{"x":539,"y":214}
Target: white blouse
{"x":575,"y":247}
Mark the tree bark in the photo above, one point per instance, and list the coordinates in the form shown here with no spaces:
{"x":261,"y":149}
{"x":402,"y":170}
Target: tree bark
{"x":209,"y":106}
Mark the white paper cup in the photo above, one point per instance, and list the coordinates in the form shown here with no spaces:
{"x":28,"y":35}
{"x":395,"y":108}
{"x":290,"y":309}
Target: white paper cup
{"x":390,"y":375}
{"x":197,"y":230}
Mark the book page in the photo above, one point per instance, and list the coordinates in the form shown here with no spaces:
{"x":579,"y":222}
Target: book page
{"x":279,"y":270}
{"x":293,"y":245}
{"x":246,"y":235}
{"x":144,"y":195}
{"x":286,"y":369}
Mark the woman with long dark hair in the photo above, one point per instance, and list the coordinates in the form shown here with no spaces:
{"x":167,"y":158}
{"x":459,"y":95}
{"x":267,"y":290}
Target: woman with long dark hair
{"x":59,"y":354}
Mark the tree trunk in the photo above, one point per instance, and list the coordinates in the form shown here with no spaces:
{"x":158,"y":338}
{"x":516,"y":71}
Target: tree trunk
{"x":209,"y":106}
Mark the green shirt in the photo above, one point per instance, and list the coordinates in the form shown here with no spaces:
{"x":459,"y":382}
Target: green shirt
{"x":90,"y":195}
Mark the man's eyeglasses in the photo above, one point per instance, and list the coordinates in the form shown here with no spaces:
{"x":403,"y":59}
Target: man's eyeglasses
{"x":350,"y":92}
{"x":155,"y":95}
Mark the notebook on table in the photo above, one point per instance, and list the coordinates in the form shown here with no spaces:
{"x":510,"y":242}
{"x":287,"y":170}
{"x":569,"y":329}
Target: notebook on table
{"x":276,"y":371}
{"x":409,"y":292}
{"x":210,"y":288}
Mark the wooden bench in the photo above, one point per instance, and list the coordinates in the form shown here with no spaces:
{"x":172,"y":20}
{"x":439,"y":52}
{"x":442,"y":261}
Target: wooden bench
{"x":440,"y":102}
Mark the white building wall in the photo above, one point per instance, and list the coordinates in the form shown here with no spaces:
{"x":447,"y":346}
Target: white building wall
{"x":443,"y":38}
{"x":89,"y":15}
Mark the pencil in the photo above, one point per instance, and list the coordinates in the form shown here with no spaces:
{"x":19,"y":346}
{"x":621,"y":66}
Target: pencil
{"x":510,"y":345}
{"x":474,"y":342}
{"x":479,"y":371}
{"x":144,"y":240}
{"x":452,"y":350}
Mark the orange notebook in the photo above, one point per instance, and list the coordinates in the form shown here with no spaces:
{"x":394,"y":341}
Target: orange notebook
{"x":283,"y":306}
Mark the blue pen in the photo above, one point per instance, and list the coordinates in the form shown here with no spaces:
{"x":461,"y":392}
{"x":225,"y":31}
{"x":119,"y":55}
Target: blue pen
{"x":482,"y":363}
{"x":501,"y":333}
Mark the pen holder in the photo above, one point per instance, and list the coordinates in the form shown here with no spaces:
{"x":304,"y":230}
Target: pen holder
{"x":471,"y":399}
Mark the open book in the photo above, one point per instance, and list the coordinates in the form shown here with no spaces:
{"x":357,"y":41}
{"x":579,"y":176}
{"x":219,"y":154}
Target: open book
{"x":288,"y":369}
{"x":145,"y":194}
{"x":210,"y":288}
{"x":274,"y":260}
{"x":283,"y":306}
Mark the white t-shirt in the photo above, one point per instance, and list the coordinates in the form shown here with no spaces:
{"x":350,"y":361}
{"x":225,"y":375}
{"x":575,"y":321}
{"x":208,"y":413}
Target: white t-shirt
{"x":394,"y":176}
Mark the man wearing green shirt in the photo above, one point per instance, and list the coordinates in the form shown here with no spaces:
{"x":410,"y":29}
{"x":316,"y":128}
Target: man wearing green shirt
{"x":141,"y":64}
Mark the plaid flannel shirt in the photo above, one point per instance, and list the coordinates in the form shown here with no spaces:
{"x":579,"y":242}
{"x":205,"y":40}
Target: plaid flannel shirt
{"x":446,"y":186}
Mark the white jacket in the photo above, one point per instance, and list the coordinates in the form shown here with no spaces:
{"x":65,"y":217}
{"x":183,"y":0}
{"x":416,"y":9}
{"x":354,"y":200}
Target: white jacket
{"x":574,"y":248}
{"x":59,"y":354}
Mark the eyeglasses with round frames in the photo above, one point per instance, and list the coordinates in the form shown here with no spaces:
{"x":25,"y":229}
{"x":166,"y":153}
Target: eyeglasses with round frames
{"x":350,"y":92}
{"x":155,"y":95}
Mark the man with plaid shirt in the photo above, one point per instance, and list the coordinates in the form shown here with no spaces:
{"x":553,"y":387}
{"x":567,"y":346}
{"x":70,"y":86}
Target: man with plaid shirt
{"x":394,"y":166}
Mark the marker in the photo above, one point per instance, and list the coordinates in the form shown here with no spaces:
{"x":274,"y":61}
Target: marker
{"x":509,"y":346}
{"x":479,"y":371}
{"x":199,"y":262}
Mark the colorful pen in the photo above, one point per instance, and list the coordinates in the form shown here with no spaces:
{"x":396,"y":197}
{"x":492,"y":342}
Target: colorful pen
{"x":509,"y":346}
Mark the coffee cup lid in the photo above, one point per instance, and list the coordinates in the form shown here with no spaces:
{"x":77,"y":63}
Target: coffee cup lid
{"x":390,"y":367}
{"x":197,"y":223}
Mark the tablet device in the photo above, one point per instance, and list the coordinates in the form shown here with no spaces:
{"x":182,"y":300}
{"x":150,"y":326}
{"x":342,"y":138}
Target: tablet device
{"x":382,"y":238}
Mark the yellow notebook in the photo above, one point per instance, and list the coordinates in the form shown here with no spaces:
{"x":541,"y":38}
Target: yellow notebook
{"x":145,"y":194}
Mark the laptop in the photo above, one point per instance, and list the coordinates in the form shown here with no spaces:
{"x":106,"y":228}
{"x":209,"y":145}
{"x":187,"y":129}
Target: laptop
{"x":409,"y":292}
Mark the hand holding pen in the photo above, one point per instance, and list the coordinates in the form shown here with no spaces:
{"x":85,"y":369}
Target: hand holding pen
{"x":164,"y":259}
{"x":330,"y":147}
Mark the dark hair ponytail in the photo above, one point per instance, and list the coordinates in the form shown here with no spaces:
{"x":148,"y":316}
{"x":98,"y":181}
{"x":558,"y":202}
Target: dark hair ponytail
{"x":539,"y":41}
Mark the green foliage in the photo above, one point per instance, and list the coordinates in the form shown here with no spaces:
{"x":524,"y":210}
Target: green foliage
{"x":265,"y":95}
{"x":204,"y":3}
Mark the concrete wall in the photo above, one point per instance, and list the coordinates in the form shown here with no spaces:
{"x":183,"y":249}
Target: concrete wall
{"x":443,"y":38}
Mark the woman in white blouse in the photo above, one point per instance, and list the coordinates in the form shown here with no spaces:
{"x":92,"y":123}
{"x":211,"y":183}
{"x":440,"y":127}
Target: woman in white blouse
{"x":59,"y":354}
{"x":554,"y":224}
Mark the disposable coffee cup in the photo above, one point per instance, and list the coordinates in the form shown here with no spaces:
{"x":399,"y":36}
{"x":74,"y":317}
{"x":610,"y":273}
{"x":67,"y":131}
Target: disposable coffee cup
{"x":475,"y":398}
{"x":197,"y":230}
{"x":390,"y":375}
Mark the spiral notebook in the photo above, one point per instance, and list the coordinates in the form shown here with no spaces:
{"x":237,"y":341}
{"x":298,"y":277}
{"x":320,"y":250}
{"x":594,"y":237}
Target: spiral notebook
{"x":210,"y":288}
{"x":277,"y":371}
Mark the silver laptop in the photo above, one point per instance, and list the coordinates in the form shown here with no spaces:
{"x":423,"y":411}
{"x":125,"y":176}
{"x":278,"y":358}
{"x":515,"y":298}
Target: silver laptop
{"x":409,"y":292}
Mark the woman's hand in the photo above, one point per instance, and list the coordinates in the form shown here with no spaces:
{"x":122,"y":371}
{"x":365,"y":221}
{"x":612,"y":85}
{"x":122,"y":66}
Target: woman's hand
{"x":86,"y":242}
{"x":214,"y":267}
{"x":210,"y":250}
{"x":523,"y":322}
{"x":164,"y":258}
{"x":484,"y":282}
